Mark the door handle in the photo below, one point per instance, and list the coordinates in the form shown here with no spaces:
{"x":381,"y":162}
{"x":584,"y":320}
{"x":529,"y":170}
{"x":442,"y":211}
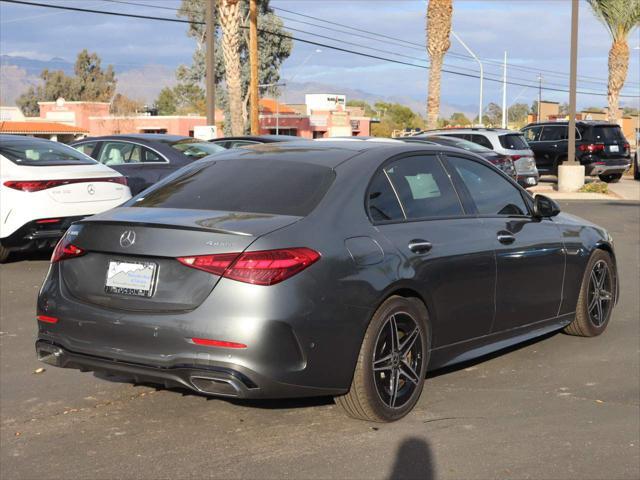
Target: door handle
{"x":419,"y":246}
{"x":506,"y":238}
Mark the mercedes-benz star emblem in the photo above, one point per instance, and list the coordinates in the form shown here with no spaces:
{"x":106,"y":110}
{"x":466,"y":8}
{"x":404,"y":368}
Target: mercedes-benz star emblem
{"x":127,"y":238}
{"x":91,"y":189}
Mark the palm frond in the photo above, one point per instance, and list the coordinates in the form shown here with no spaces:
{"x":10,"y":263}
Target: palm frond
{"x":619,"y":16}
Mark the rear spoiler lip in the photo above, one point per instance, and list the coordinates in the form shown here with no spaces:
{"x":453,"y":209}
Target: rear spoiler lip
{"x":162,"y":225}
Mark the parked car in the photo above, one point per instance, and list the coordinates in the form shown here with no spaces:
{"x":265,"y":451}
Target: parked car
{"x":502,"y":162}
{"x":44,"y":187}
{"x":247,"y":140}
{"x":600,"y":146}
{"x":145,"y":158}
{"x":321,"y":268}
{"x":504,"y":142}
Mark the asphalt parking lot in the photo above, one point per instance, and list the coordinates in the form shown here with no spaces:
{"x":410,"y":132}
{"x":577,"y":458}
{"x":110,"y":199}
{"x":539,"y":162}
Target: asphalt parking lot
{"x":560,"y":407}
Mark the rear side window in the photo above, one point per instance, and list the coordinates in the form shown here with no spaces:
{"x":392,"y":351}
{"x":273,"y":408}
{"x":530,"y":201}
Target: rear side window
{"x":532,"y":134}
{"x":481,"y":140}
{"x":492,"y":194}
{"x":118,"y":153}
{"x":243,"y":185}
{"x":604,"y":133}
{"x":42,"y":153}
{"x":383,"y":203}
{"x":553,"y":133}
{"x":424,"y":188}
{"x":513,"y":141}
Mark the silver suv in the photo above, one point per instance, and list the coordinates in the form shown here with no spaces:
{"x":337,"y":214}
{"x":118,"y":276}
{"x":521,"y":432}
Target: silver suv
{"x":506,"y":142}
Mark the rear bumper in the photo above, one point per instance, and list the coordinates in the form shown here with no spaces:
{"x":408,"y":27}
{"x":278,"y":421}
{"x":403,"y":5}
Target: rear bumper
{"x":223,"y":380}
{"x":595,"y":169}
{"x":35,"y":235}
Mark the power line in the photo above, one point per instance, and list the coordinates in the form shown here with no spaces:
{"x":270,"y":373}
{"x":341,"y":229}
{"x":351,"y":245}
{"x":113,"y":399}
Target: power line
{"x":290,"y":37}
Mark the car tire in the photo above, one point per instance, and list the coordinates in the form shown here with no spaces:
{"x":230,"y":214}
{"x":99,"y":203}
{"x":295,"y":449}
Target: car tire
{"x":595,"y":304}
{"x":4,"y":254}
{"x":389,"y":369}
{"x":611,"y":178}
{"x":636,"y":172}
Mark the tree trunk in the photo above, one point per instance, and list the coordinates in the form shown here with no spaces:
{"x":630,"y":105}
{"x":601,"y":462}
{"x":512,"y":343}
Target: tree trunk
{"x":618,"y":66}
{"x":433,"y":95}
{"x":230,"y":20}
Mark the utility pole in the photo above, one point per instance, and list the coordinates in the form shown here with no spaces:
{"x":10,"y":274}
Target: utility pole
{"x":253,"y":60}
{"x":538,"y":114}
{"x":504,"y":92}
{"x":210,"y":52}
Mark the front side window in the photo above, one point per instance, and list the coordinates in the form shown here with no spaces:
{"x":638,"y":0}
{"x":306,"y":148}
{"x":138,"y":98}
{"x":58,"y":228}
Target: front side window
{"x":424,"y":188}
{"x":553,"y":133}
{"x":119,"y":153}
{"x":383,"y":203}
{"x":491,"y":193}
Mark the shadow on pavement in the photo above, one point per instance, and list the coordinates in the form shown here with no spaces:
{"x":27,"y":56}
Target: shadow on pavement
{"x":413,"y":460}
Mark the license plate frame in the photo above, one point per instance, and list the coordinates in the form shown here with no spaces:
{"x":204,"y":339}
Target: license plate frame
{"x":129,"y":283}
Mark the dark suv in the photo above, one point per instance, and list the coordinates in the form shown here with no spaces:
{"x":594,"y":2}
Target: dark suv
{"x":600,"y":146}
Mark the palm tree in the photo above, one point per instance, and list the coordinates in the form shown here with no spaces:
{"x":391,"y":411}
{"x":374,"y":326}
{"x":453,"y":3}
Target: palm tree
{"x":439,"y":13}
{"x":230,"y":21}
{"x":620,"y":17}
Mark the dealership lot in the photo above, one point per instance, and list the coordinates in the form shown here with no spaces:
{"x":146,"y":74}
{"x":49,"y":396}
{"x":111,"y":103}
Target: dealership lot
{"x":559,"y":407}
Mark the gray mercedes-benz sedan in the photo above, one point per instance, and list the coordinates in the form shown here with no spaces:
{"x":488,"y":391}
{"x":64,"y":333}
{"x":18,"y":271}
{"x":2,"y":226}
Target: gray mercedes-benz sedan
{"x":321,"y":268}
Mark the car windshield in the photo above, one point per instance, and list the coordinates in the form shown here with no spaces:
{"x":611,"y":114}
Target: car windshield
{"x":242,"y":185}
{"x":513,"y":141}
{"x":195,"y":149}
{"x":459,"y":143}
{"x":42,"y":153}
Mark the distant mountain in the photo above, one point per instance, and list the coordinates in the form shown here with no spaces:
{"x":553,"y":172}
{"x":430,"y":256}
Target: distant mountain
{"x":34,"y":67}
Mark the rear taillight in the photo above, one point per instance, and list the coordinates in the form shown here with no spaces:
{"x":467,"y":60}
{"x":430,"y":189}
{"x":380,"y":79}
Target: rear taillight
{"x":592,"y":147}
{"x":47,"y":319}
{"x":626,"y":146}
{"x":37,"y":185}
{"x":217,"y":343}
{"x":65,"y":250}
{"x":515,"y":157}
{"x":266,"y":267}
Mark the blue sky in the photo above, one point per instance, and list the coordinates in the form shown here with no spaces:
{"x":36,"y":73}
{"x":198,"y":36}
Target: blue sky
{"x":534,"y":33}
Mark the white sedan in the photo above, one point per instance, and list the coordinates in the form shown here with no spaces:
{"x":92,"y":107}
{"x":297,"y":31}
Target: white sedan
{"x":44,"y":187}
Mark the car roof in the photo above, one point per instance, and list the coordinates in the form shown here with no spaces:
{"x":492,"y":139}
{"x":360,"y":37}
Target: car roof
{"x":578,"y":122}
{"x":467,"y":130}
{"x":141,"y":137}
{"x":260,"y":138}
{"x":327,"y":153}
{"x":23,"y":138}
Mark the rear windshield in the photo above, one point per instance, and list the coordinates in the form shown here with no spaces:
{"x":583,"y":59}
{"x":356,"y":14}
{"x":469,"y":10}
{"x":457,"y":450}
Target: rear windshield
{"x":197,"y":150}
{"x":39,"y":153}
{"x":604,"y":133}
{"x":243,"y":185}
{"x":513,"y":141}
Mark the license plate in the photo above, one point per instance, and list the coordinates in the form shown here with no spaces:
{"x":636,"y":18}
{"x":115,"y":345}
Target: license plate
{"x":614,"y":148}
{"x":131,"y":278}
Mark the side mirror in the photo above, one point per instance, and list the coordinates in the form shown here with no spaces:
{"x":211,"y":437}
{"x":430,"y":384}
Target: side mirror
{"x":545,"y":207}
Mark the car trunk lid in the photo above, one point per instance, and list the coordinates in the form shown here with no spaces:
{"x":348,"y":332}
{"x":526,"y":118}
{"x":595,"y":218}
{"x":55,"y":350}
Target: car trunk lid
{"x":151,"y":239}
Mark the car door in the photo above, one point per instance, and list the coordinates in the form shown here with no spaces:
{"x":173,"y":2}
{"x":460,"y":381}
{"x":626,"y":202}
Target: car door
{"x":530,"y":256}
{"x":553,"y":144}
{"x":445,"y":253}
{"x":126,"y":158}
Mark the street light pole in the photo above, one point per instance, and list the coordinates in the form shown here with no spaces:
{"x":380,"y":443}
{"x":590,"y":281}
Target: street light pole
{"x":253,"y":67}
{"x":571,"y":173}
{"x":504,"y":92}
{"x":481,"y":72}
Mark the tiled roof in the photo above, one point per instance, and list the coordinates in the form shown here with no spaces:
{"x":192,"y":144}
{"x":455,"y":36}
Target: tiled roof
{"x":30,"y":128}
{"x":268,"y":106}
